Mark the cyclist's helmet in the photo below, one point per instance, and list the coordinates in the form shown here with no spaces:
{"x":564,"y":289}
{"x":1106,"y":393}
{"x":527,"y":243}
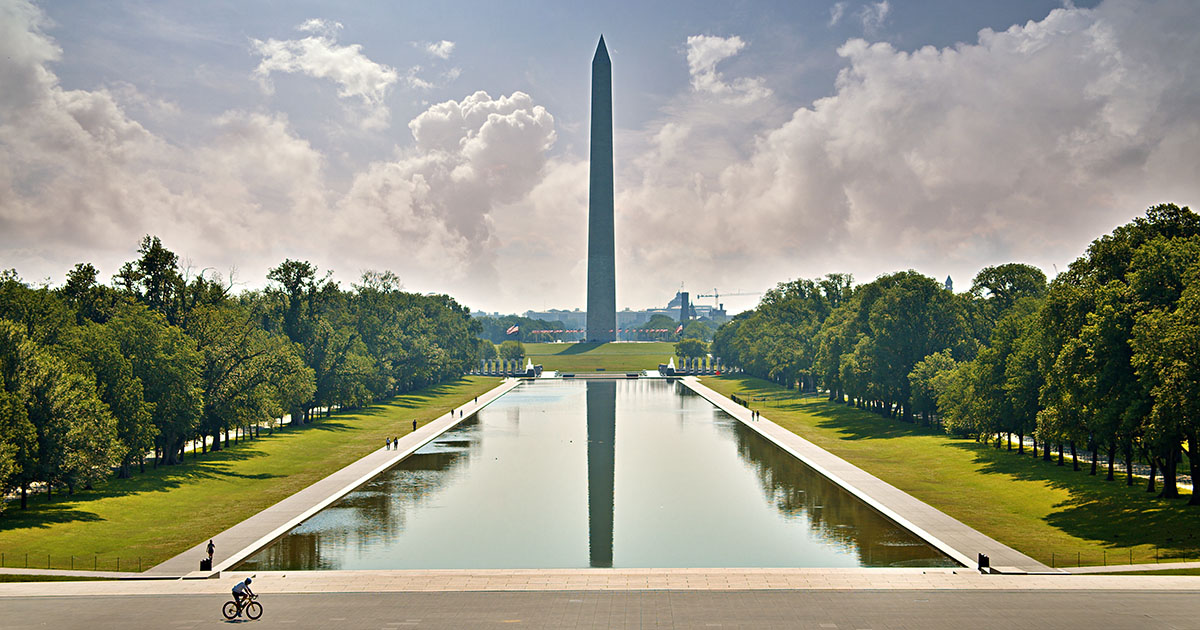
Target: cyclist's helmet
{"x":249,"y":580}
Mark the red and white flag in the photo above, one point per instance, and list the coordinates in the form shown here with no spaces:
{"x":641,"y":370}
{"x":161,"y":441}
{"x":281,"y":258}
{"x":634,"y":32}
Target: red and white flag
{"x":513,"y":329}
{"x":679,"y":330}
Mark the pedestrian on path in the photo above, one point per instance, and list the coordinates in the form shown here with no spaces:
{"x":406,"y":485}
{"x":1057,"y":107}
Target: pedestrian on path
{"x":414,"y":425}
{"x":211,"y":549}
{"x":389,"y":444}
{"x":476,"y":399}
{"x":395,"y":443}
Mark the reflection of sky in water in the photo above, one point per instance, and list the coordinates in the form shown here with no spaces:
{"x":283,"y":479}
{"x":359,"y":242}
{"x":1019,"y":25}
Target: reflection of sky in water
{"x":681,"y":485}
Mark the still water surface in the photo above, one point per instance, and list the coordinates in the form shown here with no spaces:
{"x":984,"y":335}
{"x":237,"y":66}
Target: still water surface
{"x":611,"y":473}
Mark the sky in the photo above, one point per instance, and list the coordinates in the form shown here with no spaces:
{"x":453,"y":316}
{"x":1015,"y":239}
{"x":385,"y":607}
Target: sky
{"x":755,"y":142}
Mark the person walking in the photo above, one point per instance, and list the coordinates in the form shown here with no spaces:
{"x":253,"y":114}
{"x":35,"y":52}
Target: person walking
{"x":211,"y":549}
{"x":388,"y":440}
{"x":414,"y":425}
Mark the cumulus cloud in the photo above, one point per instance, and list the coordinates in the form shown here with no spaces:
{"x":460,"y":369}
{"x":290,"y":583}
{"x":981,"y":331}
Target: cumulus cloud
{"x":80,"y":179}
{"x":441,"y":50}
{"x":437,"y":200}
{"x":1022,"y":146}
{"x":704,"y":52}
{"x":320,"y":56}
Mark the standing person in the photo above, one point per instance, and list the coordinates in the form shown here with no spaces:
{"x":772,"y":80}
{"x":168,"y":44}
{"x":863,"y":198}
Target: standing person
{"x":396,"y":443}
{"x":414,"y":425}
{"x":388,"y":441}
{"x":211,"y":549}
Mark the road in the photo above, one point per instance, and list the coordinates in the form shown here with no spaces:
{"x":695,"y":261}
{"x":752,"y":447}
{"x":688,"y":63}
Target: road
{"x":833,"y":610}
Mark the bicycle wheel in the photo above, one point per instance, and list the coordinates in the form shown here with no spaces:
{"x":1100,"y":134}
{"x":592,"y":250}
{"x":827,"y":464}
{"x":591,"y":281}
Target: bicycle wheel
{"x":230,"y":610}
{"x":254,"y":610}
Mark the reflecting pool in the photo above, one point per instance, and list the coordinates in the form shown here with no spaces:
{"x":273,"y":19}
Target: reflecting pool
{"x":597,"y":473}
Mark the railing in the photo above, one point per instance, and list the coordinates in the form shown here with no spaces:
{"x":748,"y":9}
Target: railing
{"x":25,"y":560}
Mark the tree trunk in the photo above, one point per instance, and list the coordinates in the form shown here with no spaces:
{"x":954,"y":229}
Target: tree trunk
{"x":1074,"y":457}
{"x":1045,"y":451}
{"x":24,"y":495}
{"x":1094,"y":458}
{"x":1170,"y":487}
{"x":1021,"y":444}
{"x":1129,"y":464}
{"x":1060,"y":454}
{"x":1112,"y":454}
{"x":1194,"y":467}
{"x":1153,"y":472}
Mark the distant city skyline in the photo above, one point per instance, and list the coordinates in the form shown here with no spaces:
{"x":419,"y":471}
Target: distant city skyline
{"x":754,"y":142}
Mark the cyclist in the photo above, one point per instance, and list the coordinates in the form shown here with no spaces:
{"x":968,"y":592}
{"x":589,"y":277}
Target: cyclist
{"x":242,"y":591}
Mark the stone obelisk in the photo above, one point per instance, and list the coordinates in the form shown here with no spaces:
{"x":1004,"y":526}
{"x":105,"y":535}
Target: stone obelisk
{"x":601,"y":267}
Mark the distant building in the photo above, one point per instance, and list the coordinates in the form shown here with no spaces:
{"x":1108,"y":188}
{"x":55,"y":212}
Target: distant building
{"x":949,"y":284}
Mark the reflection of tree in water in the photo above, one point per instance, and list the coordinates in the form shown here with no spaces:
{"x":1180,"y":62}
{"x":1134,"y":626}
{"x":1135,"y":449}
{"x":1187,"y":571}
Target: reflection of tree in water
{"x":834,"y":515}
{"x":376,"y":511}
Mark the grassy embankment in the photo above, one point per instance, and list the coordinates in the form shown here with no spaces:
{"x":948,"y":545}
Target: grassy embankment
{"x":591,"y":357}
{"x":1049,"y":512}
{"x":162,"y":512}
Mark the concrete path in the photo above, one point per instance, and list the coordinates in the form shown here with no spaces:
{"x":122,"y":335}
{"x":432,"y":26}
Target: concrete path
{"x":818,"y":610}
{"x":240,"y":541}
{"x":275,"y":582}
{"x":947,"y":534}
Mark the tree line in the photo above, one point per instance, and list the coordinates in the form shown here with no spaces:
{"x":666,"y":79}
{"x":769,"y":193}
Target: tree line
{"x":1103,"y":358}
{"x":95,"y":376}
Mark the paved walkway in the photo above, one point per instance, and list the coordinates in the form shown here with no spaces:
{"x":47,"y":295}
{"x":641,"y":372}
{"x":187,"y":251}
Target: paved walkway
{"x":818,"y":610}
{"x":274,"y":582}
{"x":947,"y":534}
{"x":240,"y":541}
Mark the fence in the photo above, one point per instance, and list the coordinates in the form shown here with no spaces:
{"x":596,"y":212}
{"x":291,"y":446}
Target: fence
{"x":24,"y":560}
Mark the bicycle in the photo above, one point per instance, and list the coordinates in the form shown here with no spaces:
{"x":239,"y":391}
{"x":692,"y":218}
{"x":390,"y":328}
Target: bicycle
{"x":232,"y":609}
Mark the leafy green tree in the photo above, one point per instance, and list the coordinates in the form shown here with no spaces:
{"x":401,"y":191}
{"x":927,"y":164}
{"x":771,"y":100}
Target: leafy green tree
{"x":922,"y":383}
{"x":170,"y":368}
{"x":697,"y":330}
{"x":690,"y":349}
{"x":512,"y":351}
{"x":97,"y":347}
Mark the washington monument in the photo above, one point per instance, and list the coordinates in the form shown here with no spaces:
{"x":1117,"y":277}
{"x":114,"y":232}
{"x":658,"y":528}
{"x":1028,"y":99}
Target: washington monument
{"x":601,"y":266}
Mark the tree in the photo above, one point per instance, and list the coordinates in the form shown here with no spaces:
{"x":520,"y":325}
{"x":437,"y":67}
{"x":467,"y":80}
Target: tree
{"x":922,"y":381}
{"x":244,"y":368}
{"x":169,"y":366}
{"x":97,"y":347}
{"x":697,"y":330}
{"x":512,"y":351}
{"x":687,"y":349}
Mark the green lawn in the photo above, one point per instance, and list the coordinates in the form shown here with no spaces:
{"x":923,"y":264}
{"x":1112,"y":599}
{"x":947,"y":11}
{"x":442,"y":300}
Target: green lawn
{"x":590,"y":357}
{"x":1048,"y":512}
{"x":165,"y":511}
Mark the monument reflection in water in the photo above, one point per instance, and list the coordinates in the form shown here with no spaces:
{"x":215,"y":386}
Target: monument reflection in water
{"x":600,"y":473}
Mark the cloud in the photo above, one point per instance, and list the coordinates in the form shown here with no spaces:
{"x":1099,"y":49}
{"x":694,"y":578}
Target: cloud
{"x":704,"y":52}
{"x":436,"y":201}
{"x":1022,"y":146}
{"x":836,"y":12}
{"x":319,"y":56}
{"x":441,"y":50}
{"x":873,"y":15}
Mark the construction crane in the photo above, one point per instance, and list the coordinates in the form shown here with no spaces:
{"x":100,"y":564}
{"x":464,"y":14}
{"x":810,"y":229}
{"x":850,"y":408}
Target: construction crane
{"x":716,"y":295}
